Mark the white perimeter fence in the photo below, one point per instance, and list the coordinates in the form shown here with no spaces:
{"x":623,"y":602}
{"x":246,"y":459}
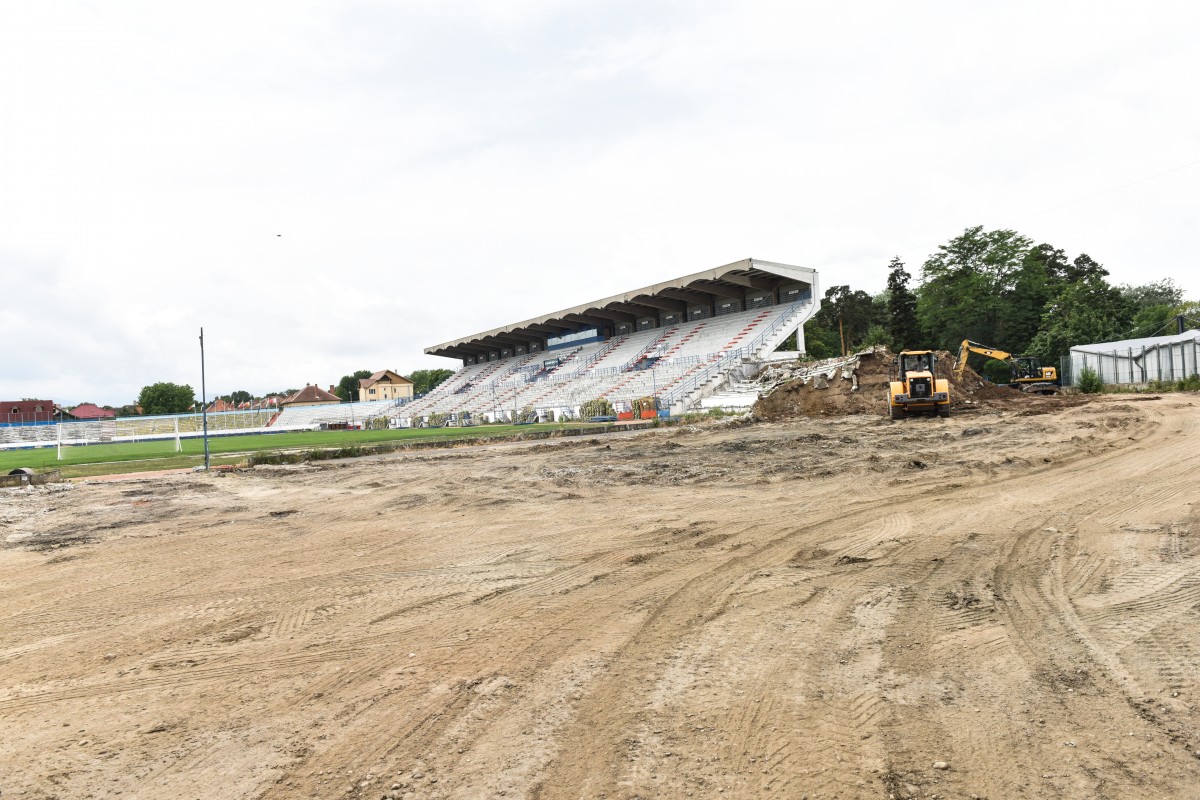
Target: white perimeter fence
{"x":134,"y":429}
{"x":1169,"y":361}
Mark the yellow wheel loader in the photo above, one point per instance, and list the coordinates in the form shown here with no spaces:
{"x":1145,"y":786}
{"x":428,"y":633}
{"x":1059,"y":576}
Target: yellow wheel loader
{"x":916,"y":387}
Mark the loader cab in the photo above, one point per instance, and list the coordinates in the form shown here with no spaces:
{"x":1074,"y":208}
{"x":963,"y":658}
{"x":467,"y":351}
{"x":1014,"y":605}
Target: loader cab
{"x":916,"y":387}
{"x":916,"y":361}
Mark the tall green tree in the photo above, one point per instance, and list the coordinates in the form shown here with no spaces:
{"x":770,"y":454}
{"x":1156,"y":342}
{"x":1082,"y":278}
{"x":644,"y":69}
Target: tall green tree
{"x":166,"y":398}
{"x":425,"y":380}
{"x":1039,"y":278}
{"x":854,"y":310}
{"x":1156,"y":293}
{"x":902,"y":325}
{"x":967,"y":286}
{"x":347,"y":388}
{"x":1083,"y":268}
{"x":1156,"y":305}
{"x":1084,"y":311}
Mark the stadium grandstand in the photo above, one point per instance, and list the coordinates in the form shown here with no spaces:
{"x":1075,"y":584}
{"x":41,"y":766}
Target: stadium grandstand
{"x":681,"y":342}
{"x":678,"y":341}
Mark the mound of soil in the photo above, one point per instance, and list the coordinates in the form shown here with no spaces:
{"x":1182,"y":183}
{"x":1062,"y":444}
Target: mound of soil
{"x":858,"y":385}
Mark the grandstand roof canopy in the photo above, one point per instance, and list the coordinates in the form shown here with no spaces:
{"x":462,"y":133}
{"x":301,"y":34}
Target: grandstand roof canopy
{"x":731,"y":280}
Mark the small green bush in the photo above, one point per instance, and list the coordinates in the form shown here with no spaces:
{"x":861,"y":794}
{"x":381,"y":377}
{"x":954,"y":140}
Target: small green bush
{"x":598,"y":407}
{"x":437,"y":420}
{"x":1089,"y":381}
{"x":996,"y":371}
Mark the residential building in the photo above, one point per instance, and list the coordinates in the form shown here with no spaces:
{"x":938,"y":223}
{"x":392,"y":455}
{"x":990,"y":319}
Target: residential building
{"x":385,"y":385}
{"x":311,"y":395}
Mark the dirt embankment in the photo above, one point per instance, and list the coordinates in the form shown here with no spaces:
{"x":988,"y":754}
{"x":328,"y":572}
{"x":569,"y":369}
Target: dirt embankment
{"x":859,"y":384}
{"x":986,"y":606}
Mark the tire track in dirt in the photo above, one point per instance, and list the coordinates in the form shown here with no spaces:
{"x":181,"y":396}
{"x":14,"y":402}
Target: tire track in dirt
{"x":580,"y":775}
{"x":1057,"y":641}
{"x":590,"y":770}
{"x":493,"y":614}
{"x":503,"y":683}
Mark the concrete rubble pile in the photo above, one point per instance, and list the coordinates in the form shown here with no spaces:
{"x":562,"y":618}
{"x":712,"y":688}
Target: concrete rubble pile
{"x":819,"y":373}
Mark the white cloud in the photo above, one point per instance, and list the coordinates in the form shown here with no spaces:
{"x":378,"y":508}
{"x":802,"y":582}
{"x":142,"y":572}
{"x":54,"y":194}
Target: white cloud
{"x":334,"y":186}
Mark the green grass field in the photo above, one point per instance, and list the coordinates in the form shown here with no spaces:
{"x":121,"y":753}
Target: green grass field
{"x":104,"y":459}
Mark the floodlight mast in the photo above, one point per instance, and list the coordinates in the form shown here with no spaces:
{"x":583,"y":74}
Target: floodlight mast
{"x":203,"y":400}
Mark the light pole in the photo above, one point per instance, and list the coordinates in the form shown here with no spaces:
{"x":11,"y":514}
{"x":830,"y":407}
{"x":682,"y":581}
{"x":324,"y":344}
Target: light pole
{"x":203,"y":400}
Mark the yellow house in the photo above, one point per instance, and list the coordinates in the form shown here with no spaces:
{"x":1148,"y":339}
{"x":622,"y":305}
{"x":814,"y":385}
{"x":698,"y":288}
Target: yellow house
{"x":385,"y":385}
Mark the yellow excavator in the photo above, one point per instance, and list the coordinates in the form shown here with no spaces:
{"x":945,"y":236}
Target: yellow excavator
{"x":916,"y":388}
{"x":1028,"y":374}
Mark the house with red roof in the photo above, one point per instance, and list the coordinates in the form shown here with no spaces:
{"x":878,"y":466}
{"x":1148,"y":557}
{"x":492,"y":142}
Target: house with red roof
{"x":91,"y":411}
{"x":27,"y":412}
{"x":311,"y":395}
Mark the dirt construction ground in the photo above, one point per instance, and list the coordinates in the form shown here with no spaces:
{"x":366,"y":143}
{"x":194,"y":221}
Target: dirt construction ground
{"x":996,"y":605}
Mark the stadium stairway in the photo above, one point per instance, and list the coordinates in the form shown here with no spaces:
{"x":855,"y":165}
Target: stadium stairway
{"x":734,"y":363}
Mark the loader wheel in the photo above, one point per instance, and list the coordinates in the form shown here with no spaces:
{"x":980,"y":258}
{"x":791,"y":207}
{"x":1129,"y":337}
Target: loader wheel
{"x":896,"y":412}
{"x":943,"y":411}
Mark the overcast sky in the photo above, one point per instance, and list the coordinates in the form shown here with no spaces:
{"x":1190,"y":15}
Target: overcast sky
{"x":331,"y":186}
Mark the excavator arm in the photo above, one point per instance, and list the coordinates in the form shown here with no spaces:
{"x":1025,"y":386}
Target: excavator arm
{"x":969,"y":347}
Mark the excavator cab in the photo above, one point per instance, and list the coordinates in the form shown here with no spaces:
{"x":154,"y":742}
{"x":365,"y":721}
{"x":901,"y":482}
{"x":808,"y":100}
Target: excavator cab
{"x":1026,"y":367}
{"x":916,"y":387}
{"x":1028,"y":370}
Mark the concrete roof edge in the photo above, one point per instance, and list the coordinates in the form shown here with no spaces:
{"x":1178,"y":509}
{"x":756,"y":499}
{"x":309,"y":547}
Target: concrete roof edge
{"x":803,"y":274}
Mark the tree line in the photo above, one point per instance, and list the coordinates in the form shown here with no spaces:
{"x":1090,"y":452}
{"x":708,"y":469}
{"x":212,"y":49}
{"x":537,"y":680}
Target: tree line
{"x":1002,"y":290}
{"x":172,"y":398}
{"x":993,"y":287}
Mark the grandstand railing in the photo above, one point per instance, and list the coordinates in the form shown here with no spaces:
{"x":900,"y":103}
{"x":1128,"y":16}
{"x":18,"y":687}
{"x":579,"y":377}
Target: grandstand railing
{"x":609,"y":346}
{"x":657,"y":343}
{"x":726,"y":362}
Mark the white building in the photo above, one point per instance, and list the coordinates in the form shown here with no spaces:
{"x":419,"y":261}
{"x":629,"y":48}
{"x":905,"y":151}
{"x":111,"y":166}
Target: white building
{"x":1158,"y":358}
